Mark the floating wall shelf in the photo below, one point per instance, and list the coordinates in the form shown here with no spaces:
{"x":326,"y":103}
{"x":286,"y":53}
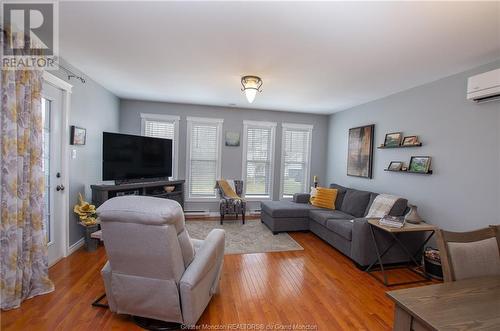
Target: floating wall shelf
{"x":411,"y":172}
{"x":401,"y":146}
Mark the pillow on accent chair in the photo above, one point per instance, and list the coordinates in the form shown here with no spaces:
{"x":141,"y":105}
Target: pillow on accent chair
{"x":325,"y":198}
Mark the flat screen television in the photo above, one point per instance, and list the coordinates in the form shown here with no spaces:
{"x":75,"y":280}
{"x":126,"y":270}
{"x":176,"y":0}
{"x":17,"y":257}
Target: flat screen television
{"x":128,"y":157}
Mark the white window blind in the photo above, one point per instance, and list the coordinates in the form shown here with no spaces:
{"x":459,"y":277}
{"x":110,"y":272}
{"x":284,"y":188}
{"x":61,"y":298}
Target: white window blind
{"x":295,"y":158}
{"x":258,"y":158}
{"x":163,"y":126}
{"x":159,"y":129}
{"x":204,"y":157}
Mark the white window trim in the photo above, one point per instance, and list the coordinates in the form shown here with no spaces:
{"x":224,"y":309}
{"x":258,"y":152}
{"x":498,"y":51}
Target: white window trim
{"x":166,"y":118}
{"x":206,"y":120}
{"x":305,"y":127}
{"x":271,"y":125}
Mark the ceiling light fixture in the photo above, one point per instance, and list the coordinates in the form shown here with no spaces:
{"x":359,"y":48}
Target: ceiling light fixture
{"x":251,"y":85}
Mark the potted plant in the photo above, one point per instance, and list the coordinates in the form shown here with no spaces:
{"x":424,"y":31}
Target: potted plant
{"x":88,"y":219}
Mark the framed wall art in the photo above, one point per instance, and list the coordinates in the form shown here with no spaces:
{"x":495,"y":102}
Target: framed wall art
{"x":360,"y":151}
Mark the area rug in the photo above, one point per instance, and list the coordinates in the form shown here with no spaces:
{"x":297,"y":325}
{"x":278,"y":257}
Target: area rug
{"x":251,"y":237}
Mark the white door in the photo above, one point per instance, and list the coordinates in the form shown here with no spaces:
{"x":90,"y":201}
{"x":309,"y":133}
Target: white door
{"x":52,"y":99}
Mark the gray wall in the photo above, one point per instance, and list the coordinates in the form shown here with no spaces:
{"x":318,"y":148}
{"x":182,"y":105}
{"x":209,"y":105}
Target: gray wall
{"x":462,"y":137}
{"x":96,"y":109}
{"x":130,"y":122}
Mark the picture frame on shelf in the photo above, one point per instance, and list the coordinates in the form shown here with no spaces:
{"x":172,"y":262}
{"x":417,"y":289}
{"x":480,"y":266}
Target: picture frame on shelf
{"x":78,"y":136}
{"x":395,"y":166}
{"x":420,"y":164}
{"x":393,"y":139}
{"x":410,"y":141}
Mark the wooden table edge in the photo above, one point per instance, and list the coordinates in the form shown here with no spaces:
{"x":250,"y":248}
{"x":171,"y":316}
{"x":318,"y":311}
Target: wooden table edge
{"x":403,"y":306}
{"x":409,"y":311}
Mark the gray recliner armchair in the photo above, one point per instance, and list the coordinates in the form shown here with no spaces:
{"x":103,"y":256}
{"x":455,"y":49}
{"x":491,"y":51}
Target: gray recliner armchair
{"x":155,"y":270}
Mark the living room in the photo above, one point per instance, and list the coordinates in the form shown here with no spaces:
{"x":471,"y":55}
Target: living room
{"x":289,"y":133}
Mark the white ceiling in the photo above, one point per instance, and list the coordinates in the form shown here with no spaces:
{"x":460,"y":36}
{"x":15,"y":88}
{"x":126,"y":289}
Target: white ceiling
{"x":313,"y":57}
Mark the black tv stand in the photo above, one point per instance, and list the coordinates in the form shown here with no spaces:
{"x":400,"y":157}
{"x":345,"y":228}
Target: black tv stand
{"x":152,"y":188}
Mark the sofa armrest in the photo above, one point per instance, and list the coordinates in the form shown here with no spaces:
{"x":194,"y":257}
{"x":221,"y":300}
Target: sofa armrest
{"x":301,"y":197}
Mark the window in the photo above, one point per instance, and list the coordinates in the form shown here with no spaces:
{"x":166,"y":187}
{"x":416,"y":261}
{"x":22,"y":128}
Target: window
{"x":204,"y":136}
{"x":163,"y":126}
{"x":258,"y":150}
{"x":295,"y":158}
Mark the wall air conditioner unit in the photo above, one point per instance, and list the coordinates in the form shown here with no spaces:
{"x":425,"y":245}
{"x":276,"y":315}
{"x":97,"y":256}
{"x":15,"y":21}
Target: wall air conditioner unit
{"x":484,"y":87}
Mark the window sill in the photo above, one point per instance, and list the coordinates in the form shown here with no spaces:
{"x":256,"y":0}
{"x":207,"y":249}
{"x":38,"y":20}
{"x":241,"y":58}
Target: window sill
{"x":211,"y":199}
{"x":258,"y":198}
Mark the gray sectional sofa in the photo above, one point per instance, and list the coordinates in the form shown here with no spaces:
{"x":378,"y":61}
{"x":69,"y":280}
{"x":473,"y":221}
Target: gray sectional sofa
{"x":345,"y":228}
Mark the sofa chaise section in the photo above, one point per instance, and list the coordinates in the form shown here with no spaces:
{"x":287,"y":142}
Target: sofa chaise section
{"x":282,"y":216}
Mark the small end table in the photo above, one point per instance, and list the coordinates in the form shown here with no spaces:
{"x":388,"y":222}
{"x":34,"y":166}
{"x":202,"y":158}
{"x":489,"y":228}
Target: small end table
{"x":395,"y":232}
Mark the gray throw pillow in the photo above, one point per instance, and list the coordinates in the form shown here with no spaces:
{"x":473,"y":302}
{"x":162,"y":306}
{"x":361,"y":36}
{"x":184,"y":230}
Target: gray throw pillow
{"x":355,"y":202}
{"x":340,"y":195}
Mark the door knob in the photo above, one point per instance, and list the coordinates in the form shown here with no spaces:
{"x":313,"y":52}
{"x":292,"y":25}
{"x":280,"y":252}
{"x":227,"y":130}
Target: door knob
{"x":60,"y":188}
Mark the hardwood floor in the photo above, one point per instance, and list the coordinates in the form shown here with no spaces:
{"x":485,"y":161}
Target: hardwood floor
{"x":317,"y":286}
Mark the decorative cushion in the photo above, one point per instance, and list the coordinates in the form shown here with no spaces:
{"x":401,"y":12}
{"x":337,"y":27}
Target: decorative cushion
{"x":341,"y":190}
{"x":355,"y":202}
{"x":325,"y":198}
{"x":399,"y":207}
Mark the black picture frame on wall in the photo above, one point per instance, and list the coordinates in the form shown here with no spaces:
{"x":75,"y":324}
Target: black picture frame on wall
{"x":360,"y":151}
{"x":78,"y":136}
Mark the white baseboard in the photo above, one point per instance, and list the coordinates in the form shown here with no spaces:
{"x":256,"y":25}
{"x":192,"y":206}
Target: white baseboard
{"x":253,"y":212}
{"x":200,"y":213}
{"x":73,"y":248}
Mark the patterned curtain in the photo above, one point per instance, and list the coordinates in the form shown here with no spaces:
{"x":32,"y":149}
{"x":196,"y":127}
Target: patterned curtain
{"x":23,"y":260}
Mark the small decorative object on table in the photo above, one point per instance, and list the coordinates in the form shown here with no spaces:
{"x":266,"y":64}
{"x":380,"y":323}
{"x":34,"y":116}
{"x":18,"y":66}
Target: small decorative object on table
{"x":412,"y":216}
{"x":315,"y":181}
{"x":88,"y":219}
{"x":392,"y":221}
{"x":169,"y":188}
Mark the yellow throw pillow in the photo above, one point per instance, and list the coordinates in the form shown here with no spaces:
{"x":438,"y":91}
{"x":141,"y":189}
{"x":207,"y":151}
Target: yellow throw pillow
{"x":325,"y":197}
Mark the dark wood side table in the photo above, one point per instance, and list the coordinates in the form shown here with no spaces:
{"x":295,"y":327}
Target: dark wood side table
{"x":471,"y":304}
{"x":412,"y":256}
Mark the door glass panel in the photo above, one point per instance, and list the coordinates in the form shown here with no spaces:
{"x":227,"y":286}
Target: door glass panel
{"x":46,"y":166}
